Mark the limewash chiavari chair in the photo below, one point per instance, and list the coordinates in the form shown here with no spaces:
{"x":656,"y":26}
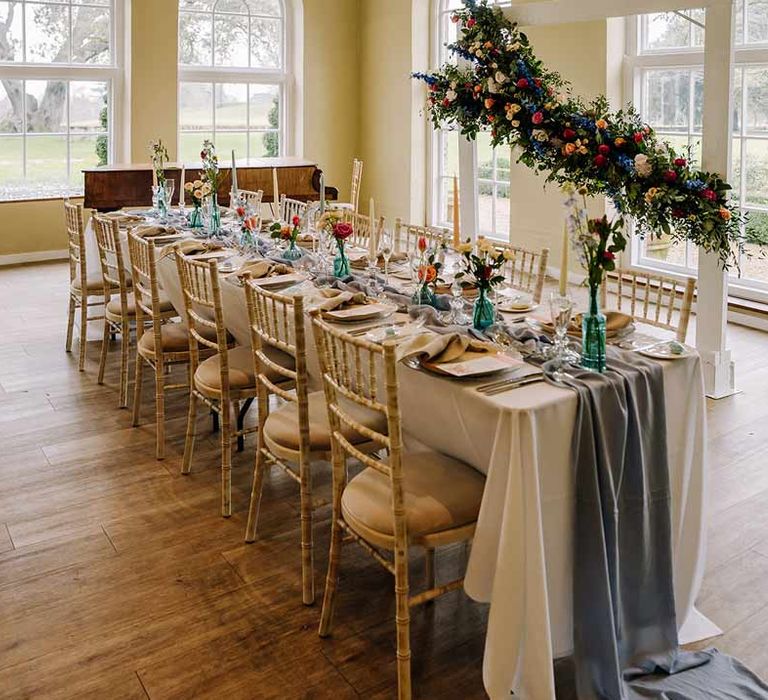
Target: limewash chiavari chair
{"x":221,"y":381}
{"x":290,"y":208}
{"x":362,"y":228}
{"x":298,"y":432}
{"x":424,"y":499}
{"x":160,"y":344}
{"x":653,"y":299}
{"x":407,"y":235}
{"x":354,"y":191}
{"x":120,"y":312}
{"x":526,"y":270}
{"x":85,"y":291}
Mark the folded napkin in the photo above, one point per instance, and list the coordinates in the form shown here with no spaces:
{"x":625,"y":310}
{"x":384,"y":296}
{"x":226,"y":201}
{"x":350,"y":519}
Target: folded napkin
{"x":336,"y":299}
{"x":361,"y":262}
{"x":123,"y":218}
{"x":615,"y":322}
{"x":263,"y":268}
{"x":439,"y":348}
{"x":190,"y":246}
{"x":152,"y":230}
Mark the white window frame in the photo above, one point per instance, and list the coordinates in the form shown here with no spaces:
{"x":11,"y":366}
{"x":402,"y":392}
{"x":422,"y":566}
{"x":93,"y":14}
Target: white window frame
{"x":112,"y":74}
{"x":745,"y":56}
{"x":284,"y":78}
{"x":435,"y":175}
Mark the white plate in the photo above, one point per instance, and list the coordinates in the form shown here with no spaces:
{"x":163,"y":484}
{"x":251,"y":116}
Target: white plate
{"x":479,"y":366}
{"x":663,"y":351}
{"x":508,"y":308}
{"x":362,"y":312}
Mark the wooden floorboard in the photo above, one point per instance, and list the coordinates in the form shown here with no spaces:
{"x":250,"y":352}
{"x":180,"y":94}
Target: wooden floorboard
{"x":119,"y":579}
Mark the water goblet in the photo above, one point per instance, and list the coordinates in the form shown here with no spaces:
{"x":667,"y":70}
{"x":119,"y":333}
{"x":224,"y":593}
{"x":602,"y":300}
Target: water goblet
{"x":385,"y":250}
{"x":170,"y":188}
{"x":561,"y":309}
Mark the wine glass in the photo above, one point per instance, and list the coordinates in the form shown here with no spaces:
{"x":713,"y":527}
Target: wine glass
{"x":170,"y":188}
{"x":561,"y":309}
{"x":385,"y":250}
{"x":457,"y":314}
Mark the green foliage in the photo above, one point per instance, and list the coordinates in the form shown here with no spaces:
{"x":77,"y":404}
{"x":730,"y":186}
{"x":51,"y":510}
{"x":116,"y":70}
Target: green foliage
{"x":271,"y":138}
{"x":102,"y":142}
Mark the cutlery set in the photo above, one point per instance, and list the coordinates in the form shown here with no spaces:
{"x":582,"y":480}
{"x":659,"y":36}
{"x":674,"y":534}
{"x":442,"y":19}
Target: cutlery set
{"x":503,"y":385}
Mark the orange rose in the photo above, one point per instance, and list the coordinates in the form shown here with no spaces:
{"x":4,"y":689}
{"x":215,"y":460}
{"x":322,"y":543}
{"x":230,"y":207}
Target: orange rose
{"x":427,"y":273}
{"x":619,"y":142}
{"x":489,"y":102}
{"x":725,"y":214}
{"x":569,"y":149}
{"x":601,"y":124}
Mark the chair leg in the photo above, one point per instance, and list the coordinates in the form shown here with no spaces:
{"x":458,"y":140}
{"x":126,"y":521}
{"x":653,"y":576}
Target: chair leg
{"x":125,"y":350}
{"x":104,"y":350}
{"x":137,"y":378}
{"x":403,"y":623}
{"x":189,"y":440}
{"x":429,"y":567}
{"x":160,"y":410}
{"x":307,"y":560}
{"x":331,"y":581}
{"x":83,"y":331}
{"x":226,"y":458}
{"x":70,"y":322}
{"x":259,"y":470}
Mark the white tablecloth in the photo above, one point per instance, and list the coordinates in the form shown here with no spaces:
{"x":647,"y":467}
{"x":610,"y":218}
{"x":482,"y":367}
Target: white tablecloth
{"x":521,"y":559}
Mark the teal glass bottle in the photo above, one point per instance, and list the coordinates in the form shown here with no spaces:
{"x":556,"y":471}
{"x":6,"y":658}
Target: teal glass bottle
{"x":341,"y":263}
{"x":593,"y":335}
{"x":483,"y":311}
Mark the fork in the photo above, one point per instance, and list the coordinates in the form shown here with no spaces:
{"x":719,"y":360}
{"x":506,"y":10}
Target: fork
{"x":515,"y":384}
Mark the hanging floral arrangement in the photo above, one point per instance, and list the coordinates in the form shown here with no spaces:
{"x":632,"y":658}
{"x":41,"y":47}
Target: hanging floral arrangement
{"x":504,"y":87}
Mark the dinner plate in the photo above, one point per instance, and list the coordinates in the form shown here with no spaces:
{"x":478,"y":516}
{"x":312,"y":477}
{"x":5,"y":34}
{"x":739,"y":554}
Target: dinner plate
{"x":511,"y":308}
{"x":361,"y":312}
{"x":663,"y":351}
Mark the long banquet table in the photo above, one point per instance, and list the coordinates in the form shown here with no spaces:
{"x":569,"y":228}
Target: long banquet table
{"x":521,"y":558}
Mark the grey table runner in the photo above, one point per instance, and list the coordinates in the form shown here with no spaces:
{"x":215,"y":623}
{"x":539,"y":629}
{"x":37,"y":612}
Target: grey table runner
{"x":625,"y":627}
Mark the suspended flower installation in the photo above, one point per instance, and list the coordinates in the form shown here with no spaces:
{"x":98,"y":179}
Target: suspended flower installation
{"x":506,"y":89}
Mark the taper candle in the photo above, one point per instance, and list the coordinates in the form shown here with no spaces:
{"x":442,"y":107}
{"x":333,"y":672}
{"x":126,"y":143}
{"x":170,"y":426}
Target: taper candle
{"x":322,"y":193}
{"x":154,"y":176}
{"x":456,"y":217}
{"x":564,"y":262}
{"x":183,"y":182}
{"x":234,"y":175}
{"x":275,"y":195}
{"x":372,"y":239}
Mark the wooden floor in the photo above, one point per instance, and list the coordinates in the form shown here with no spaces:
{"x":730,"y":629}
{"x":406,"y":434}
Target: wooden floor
{"x":118,"y":578}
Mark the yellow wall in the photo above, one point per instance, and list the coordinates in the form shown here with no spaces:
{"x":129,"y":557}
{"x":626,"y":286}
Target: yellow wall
{"x":394,"y":42}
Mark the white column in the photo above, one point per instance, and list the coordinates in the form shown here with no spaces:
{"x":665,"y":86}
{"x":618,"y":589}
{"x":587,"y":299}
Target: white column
{"x":712,"y":304}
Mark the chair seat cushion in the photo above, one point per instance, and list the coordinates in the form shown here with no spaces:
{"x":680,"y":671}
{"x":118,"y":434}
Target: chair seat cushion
{"x":242,"y":373}
{"x":95,"y":284}
{"x":282,"y":425}
{"x":440,"y":493}
{"x":174,"y":337}
{"x":114,"y":312}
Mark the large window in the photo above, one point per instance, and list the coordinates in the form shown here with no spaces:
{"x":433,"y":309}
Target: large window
{"x":493,"y":164}
{"x":59,"y":67}
{"x":667,"y":52}
{"x":233,"y":77}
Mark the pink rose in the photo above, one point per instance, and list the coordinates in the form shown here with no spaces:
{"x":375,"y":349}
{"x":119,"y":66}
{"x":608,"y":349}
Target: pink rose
{"x":537,"y":117}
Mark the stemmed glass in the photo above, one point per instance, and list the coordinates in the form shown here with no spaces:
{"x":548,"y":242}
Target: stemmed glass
{"x":170,"y":188}
{"x":385,"y":250}
{"x":456,"y":314}
{"x":561,"y":309}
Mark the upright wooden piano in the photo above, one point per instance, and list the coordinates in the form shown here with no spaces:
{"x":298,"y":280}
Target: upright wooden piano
{"x":113,"y":187}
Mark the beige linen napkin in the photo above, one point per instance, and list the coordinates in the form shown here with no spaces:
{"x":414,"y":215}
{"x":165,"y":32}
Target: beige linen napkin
{"x":362,"y":262}
{"x":190,"y":246}
{"x":152,"y":230}
{"x":336,"y":299}
{"x":447,"y":347}
{"x":615,"y":322}
{"x":123,"y":219}
{"x":263,"y":268}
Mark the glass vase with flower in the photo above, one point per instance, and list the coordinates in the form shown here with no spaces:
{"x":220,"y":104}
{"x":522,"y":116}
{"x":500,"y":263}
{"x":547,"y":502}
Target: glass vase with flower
{"x":338,"y":231}
{"x":427,"y":274}
{"x":195,"y":192}
{"x":598,"y":241}
{"x":210,"y":188}
{"x":481,"y":267}
{"x":288,"y":233}
{"x":160,"y":201}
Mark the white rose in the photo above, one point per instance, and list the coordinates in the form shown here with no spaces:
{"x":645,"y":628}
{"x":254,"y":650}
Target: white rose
{"x":514,"y":47}
{"x":500,"y":77}
{"x":454,"y":85}
{"x":515,"y":123}
{"x":540,"y":135}
{"x":492,"y":87}
{"x":450,"y":95}
{"x":643,"y":165}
